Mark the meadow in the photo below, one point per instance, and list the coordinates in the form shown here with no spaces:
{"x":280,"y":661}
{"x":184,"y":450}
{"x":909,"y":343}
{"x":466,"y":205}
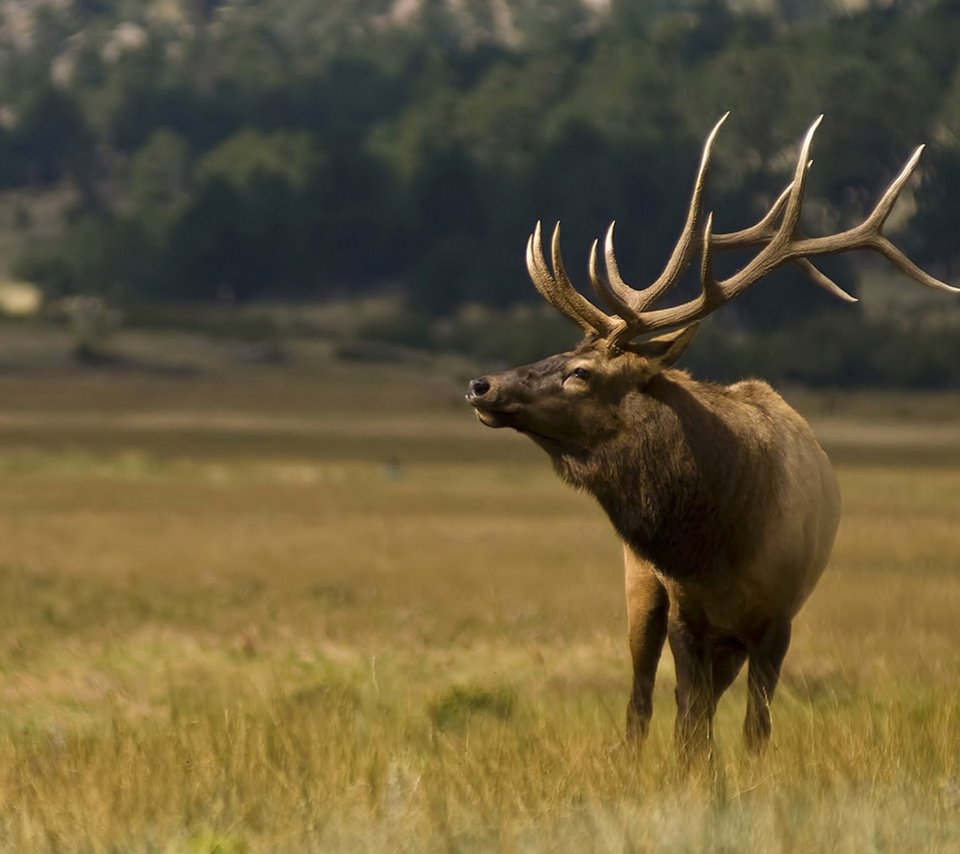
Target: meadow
{"x":287,"y":608}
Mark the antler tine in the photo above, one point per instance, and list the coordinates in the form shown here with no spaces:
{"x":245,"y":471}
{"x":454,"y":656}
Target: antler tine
{"x":602,"y":323}
{"x":882,"y":210}
{"x":544,"y":281}
{"x":542,"y":278}
{"x":818,"y":277}
{"x":708,"y":283}
{"x":557,"y":289}
{"x":791,"y":214}
{"x":640,"y":300}
{"x":616,"y":286}
{"x":905,"y":265}
{"x":761,"y":232}
{"x":602,"y":287}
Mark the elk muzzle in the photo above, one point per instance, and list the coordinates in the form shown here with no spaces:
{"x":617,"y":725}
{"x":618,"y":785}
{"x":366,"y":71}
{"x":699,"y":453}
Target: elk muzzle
{"x":481,"y":397}
{"x":495,"y":400}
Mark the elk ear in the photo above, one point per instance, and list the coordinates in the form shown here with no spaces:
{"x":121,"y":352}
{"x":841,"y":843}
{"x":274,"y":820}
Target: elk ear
{"x":664,"y":350}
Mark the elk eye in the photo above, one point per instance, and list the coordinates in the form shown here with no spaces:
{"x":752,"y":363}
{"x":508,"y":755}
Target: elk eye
{"x":582,"y":373}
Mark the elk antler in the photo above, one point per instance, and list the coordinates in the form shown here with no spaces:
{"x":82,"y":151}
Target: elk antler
{"x":633,"y":312}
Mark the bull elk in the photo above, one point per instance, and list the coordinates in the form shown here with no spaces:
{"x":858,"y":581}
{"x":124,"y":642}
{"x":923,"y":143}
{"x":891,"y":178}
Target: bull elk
{"x":726,"y":504}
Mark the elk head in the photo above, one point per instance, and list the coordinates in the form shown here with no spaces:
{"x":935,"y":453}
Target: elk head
{"x":574,"y":401}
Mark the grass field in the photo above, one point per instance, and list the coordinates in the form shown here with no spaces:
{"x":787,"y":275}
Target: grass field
{"x":326,"y":610}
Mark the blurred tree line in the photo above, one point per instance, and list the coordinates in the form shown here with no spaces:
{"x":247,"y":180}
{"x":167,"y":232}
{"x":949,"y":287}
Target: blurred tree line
{"x":243,"y":150}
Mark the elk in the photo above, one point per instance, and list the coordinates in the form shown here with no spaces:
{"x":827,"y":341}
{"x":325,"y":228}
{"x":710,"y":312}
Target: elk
{"x":726,"y":505}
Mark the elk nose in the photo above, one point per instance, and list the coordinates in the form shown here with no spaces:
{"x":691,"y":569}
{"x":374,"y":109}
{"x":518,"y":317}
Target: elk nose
{"x":478,"y":388}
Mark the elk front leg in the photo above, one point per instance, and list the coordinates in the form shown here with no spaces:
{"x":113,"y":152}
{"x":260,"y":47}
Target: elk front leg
{"x":695,"y":696}
{"x":766,"y":658}
{"x":647,"y":608}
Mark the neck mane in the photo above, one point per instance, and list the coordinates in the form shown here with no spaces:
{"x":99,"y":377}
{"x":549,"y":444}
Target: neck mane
{"x":672,"y":480}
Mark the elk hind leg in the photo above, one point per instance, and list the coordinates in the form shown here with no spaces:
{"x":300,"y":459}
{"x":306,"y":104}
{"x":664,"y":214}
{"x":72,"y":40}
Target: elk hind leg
{"x":695,"y":701}
{"x":766,"y":659}
{"x":728,"y":659}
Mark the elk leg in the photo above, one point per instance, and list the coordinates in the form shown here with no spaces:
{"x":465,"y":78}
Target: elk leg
{"x":647,"y":608}
{"x":766,"y":658}
{"x":728,"y":659}
{"x":692,"y":659}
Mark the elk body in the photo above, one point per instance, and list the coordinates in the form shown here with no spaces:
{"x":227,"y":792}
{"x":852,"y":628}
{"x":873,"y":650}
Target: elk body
{"x":726,"y":505}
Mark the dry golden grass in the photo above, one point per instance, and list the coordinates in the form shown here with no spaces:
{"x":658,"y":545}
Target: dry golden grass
{"x":331,"y":612}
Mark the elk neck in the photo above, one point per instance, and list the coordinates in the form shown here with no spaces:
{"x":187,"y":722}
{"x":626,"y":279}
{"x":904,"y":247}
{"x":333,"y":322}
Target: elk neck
{"x":679,"y":480}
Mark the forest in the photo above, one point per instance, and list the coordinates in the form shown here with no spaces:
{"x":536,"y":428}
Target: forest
{"x":232,"y":153}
